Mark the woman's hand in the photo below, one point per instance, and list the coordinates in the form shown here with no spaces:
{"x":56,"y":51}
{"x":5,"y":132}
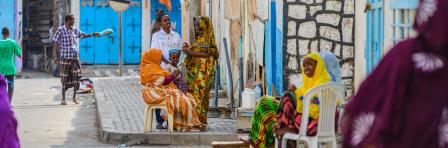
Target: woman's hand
{"x":186,"y":48}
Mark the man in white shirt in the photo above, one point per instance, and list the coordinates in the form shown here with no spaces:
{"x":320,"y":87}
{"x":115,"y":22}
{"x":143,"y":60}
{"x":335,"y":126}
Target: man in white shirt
{"x":165,"y":39}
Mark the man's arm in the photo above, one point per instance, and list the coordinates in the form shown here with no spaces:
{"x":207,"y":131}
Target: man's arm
{"x":56,"y":41}
{"x":83,"y":35}
{"x":55,"y":56}
{"x":17,"y":50}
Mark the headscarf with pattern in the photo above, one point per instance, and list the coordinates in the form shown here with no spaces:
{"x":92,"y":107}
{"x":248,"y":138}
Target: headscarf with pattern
{"x":205,"y":37}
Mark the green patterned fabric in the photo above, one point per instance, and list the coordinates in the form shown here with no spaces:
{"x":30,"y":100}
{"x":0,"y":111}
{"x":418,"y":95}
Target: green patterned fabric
{"x":262,"y":132}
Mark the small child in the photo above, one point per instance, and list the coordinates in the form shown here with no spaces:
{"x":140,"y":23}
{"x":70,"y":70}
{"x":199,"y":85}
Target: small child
{"x":179,"y":81}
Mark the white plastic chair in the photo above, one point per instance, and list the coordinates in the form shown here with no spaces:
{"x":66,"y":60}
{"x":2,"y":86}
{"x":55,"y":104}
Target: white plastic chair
{"x":328,"y":95}
{"x":149,"y":113}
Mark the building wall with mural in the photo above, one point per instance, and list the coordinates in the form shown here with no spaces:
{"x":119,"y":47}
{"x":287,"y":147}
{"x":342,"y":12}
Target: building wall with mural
{"x":316,"y":25}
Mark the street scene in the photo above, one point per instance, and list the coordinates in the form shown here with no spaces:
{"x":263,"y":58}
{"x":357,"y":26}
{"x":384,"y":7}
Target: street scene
{"x":223,"y":73}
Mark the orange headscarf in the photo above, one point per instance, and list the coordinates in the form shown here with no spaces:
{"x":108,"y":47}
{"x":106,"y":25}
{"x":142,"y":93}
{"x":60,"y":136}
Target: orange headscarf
{"x":150,"y":68}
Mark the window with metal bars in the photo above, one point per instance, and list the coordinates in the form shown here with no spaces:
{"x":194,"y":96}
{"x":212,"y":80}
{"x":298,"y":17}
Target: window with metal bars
{"x":403,"y":12}
{"x":402,"y":24}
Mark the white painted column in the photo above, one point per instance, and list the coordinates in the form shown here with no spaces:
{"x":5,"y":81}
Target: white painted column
{"x":360,"y":40}
{"x":146,"y":25}
{"x":388,"y":30}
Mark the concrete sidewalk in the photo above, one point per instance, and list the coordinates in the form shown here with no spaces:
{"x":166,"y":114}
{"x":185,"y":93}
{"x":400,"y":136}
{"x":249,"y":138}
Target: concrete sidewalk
{"x":120,"y":114}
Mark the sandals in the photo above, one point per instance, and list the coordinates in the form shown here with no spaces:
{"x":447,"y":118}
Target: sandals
{"x":160,"y":126}
{"x":63,"y":102}
{"x":75,"y":100}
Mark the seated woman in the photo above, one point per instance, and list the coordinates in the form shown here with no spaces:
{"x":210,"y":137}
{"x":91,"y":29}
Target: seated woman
{"x":285,"y":115}
{"x":181,"y":106}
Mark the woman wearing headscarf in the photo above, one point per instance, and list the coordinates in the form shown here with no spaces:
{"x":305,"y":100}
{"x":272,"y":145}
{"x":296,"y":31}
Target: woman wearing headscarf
{"x":161,"y":89}
{"x":200,"y":63}
{"x":404,"y":101}
{"x":272,"y":115}
{"x":8,"y":123}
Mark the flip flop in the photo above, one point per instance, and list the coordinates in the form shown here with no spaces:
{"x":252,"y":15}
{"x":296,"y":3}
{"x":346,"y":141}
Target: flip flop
{"x":63,"y":102}
{"x":160,"y":127}
{"x":76,"y":101}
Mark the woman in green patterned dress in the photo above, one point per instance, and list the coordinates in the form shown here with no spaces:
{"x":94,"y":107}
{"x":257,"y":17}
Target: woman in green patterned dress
{"x":200,"y":64}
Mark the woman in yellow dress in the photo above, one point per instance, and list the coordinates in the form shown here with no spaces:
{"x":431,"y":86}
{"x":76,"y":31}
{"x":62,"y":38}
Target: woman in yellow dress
{"x":200,"y":63}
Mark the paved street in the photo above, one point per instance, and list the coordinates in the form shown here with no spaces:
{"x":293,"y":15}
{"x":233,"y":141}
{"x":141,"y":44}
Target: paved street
{"x":45,"y":123}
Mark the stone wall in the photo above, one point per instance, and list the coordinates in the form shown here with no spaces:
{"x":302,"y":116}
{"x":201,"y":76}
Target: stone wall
{"x":315,"y":25}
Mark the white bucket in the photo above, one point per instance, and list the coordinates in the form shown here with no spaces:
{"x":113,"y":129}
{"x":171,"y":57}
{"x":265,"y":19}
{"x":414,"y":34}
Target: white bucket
{"x":248,"y":99}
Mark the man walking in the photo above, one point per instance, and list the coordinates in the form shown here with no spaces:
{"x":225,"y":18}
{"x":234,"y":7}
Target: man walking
{"x":9,"y":49}
{"x":66,"y":41}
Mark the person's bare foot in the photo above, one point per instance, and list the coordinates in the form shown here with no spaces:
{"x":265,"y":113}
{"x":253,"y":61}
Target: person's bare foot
{"x":63,"y":102}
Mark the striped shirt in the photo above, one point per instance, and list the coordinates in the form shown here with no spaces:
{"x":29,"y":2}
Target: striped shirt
{"x":68,"y":41}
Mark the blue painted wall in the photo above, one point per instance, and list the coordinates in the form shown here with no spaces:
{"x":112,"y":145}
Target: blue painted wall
{"x":7,"y":16}
{"x":175,"y":13}
{"x":273,"y":52}
{"x":105,"y":50}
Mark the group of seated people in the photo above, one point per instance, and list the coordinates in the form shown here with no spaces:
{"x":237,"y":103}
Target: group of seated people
{"x":277,"y":116}
{"x":272,"y":115}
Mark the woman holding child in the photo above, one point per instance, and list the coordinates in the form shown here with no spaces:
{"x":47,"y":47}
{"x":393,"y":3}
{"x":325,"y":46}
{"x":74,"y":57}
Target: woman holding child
{"x":181,"y":105}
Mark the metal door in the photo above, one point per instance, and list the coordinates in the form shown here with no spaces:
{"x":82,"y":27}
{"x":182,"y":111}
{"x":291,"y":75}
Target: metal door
{"x":96,"y":15}
{"x":132,"y":32}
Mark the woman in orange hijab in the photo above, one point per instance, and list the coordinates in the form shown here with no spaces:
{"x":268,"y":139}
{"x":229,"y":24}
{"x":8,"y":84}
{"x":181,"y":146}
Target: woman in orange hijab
{"x":160,"y":88}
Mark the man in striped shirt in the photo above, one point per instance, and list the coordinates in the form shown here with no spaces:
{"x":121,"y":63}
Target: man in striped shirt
{"x":66,"y":41}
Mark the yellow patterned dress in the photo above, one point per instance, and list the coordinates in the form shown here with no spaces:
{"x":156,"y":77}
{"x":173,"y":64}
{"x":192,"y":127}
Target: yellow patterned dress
{"x":200,"y":71}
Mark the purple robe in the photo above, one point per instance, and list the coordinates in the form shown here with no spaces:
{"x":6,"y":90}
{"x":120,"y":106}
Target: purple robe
{"x":404,"y":101}
{"x":8,"y":123}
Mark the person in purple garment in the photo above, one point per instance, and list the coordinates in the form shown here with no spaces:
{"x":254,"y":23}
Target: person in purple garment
{"x":404,"y":101}
{"x":8,"y":123}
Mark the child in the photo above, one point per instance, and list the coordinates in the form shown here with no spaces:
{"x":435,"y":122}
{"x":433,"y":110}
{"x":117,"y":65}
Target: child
{"x":179,"y":81}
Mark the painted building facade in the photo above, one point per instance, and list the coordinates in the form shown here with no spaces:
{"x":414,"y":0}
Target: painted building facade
{"x":380,"y":24}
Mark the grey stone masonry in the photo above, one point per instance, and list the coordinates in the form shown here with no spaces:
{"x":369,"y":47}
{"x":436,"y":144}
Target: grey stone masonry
{"x":121,"y":114}
{"x":319,"y":25}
